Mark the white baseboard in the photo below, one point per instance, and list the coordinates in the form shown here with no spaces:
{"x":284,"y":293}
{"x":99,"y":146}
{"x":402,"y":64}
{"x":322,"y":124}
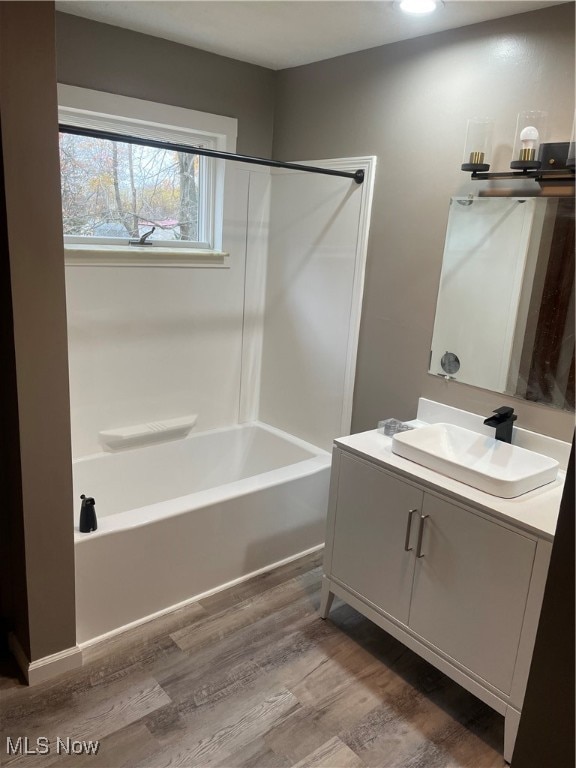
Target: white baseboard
{"x":48,"y":666}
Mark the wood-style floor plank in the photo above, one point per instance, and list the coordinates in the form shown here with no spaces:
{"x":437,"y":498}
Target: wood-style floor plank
{"x":253,"y":678}
{"x":254,"y":755}
{"x":234,"y":734}
{"x":289,"y":599}
{"x":125,"y":748}
{"x":296,"y":736}
{"x":333,"y":753}
{"x":91,"y":717}
{"x":261,"y":584}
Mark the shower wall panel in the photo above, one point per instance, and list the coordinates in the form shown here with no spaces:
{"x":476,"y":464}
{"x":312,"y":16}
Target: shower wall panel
{"x":314,"y":280}
{"x":151,"y":343}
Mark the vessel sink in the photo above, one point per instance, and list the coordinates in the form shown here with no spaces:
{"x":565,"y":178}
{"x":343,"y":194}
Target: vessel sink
{"x":485,"y":463}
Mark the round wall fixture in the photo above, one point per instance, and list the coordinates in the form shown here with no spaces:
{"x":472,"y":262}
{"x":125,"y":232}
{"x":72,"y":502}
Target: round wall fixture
{"x":450,"y":363}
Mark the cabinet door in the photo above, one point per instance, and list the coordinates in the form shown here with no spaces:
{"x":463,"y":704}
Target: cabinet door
{"x":470,"y":589}
{"x":369,"y":553}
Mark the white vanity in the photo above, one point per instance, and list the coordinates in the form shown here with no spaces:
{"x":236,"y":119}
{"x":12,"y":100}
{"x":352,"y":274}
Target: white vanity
{"x":454,"y":573}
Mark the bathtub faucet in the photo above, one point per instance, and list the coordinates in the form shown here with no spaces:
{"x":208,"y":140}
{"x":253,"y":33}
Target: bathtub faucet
{"x":88,"y":521}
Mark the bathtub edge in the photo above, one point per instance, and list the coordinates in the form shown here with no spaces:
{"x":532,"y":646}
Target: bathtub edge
{"x":181,"y":505}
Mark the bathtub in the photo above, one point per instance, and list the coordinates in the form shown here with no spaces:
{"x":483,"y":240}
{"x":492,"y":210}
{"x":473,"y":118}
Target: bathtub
{"x":182,"y":519}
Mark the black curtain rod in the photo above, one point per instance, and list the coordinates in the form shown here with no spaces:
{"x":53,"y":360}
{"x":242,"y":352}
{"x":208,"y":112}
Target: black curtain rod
{"x":358,"y":175}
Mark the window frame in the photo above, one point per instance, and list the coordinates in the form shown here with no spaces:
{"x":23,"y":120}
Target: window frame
{"x":206,"y":194}
{"x":129,"y":116}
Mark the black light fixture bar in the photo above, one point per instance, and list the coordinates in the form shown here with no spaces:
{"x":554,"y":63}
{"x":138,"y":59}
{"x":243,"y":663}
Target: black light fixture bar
{"x":557,"y":177}
{"x":358,"y":175}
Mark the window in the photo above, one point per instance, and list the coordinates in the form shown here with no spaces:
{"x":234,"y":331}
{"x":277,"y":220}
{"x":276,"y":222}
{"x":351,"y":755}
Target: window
{"x":114,"y":191}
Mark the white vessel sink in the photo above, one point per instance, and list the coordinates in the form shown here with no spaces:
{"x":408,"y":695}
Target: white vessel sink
{"x":483,"y":462}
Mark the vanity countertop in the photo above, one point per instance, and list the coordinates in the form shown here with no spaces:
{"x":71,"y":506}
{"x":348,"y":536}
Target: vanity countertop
{"x":535,"y":512}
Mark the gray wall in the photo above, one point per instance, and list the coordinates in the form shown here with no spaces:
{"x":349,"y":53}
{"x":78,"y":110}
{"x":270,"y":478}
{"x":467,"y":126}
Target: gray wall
{"x":106,"y":58}
{"x":42,"y":527}
{"x":408,"y":103}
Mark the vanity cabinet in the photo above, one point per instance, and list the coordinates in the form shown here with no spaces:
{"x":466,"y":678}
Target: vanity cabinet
{"x":369,"y":536}
{"x":460,"y":588}
{"x":470,"y":589}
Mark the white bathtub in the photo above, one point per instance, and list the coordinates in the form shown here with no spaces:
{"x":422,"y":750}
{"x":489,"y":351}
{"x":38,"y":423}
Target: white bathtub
{"x":181,"y":519}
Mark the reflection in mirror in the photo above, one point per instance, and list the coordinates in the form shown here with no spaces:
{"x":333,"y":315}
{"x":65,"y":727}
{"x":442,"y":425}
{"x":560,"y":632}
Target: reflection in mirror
{"x":505,"y":311}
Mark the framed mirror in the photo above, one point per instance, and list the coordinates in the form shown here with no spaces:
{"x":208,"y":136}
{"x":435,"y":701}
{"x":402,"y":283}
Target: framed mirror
{"x":505,"y":311}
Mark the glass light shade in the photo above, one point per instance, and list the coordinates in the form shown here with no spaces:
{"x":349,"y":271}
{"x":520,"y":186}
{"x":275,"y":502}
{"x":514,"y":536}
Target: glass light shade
{"x":530,"y":132}
{"x":570,"y":160}
{"x":478,"y":145}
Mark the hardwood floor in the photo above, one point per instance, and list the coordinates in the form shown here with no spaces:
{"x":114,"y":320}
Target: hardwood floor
{"x":253,"y":678}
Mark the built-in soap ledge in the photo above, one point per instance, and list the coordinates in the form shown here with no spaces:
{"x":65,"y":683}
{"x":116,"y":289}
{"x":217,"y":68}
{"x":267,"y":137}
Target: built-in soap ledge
{"x":142,"y":434}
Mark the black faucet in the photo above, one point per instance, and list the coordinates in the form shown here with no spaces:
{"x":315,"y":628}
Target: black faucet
{"x":503,"y":419}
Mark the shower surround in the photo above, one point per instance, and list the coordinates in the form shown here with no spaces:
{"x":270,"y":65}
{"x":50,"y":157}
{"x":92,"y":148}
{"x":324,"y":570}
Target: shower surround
{"x":262,"y":347}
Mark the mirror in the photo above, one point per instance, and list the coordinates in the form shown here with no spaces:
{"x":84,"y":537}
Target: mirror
{"x":505,"y":311}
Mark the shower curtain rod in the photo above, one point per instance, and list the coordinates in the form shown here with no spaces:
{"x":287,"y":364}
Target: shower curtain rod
{"x":358,"y":175}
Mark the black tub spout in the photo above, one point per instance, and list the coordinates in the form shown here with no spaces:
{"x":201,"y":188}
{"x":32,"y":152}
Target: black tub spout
{"x":88,"y":515}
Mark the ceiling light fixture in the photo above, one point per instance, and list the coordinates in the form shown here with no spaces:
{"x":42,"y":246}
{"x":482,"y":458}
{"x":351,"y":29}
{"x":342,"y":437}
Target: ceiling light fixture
{"x":419,"y":7}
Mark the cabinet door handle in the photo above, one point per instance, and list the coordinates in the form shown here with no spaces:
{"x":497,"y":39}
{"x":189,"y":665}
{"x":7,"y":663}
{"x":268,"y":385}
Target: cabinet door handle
{"x":420,"y":535}
{"x":407,"y":546}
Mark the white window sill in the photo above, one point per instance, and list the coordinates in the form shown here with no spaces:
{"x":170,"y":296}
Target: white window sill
{"x":143,"y":256}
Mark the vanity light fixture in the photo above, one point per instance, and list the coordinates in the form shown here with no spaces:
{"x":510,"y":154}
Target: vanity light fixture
{"x":478,"y":146}
{"x":545,"y":163}
{"x":530,"y":129}
{"x":419,"y":7}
